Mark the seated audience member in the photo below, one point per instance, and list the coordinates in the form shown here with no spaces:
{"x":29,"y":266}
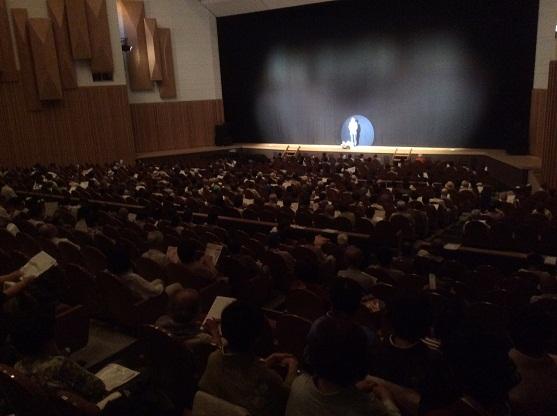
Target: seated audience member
{"x":482,"y":374}
{"x":548,"y":289}
{"x":249,"y":264}
{"x":405,"y":262}
{"x":354,"y":258}
{"x":536,"y":394}
{"x":36,"y":214}
{"x":385,"y":260}
{"x":535,"y":264}
{"x":336,"y":352}
{"x":346,"y":297}
{"x":237,"y":375}
{"x":273,"y":244}
{"x":308,"y":277}
{"x":182,"y":319}
{"x":542,"y":210}
{"x":403,"y":358}
{"x":402,"y":211}
{"x":156,"y":251}
{"x":199,"y":267}
{"x":50,"y":232}
{"x":33,"y":336}
{"x":119,"y":264}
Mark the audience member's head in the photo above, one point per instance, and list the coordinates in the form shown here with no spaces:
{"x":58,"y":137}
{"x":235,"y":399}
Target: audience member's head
{"x":336,"y":351}
{"x":118,"y":261}
{"x":48,"y":231}
{"x":480,"y":362}
{"x":410,"y":317}
{"x":353,"y":257}
{"x":155,"y":239}
{"x":242,"y":325}
{"x":183,"y":305}
{"x":346,"y":296}
{"x":384,"y":256}
{"x":187,"y":252}
{"x":531,"y":330}
{"x":535,"y":260}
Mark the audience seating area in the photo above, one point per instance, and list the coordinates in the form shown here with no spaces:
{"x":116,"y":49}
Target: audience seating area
{"x":447,"y":266}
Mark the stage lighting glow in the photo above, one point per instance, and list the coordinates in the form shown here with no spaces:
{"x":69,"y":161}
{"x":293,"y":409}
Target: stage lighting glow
{"x":428,"y":90}
{"x":357,"y":130}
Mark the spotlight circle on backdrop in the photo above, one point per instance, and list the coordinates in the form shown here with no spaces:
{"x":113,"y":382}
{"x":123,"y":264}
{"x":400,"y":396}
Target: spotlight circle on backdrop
{"x":366,"y":133}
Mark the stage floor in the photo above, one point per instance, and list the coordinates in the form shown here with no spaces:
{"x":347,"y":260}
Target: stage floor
{"x":523,"y":162}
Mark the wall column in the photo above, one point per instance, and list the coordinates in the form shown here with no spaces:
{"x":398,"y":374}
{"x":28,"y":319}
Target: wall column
{"x":549,"y":156}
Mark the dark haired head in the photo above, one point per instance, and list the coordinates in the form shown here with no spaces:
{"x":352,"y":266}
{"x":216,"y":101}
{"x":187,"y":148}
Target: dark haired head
{"x":384,"y":256}
{"x":337,"y":352}
{"x":118,"y":260}
{"x":346,"y":296}
{"x":532,"y":330}
{"x":242,"y":324}
{"x":353,"y":256}
{"x":480,"y":362}
{"x":535,"y":259}
{"x":410,"y":317}
{"x":187,"y":252}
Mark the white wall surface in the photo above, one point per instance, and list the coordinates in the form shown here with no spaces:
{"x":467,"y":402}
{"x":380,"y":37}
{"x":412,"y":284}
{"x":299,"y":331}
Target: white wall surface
{"x":37,"y":8}
{"x":194,"y":36}
{"x":546,"y":43}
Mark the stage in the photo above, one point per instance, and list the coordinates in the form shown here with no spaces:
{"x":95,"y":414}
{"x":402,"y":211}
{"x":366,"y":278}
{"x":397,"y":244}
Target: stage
{"x":513,"y":170}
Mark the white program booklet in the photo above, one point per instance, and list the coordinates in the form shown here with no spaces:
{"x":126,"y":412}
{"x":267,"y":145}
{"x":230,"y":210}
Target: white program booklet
{"x":213,"y":250}
{"x":550,"y":261}
{"x":452,"y":246}
{"x":217,"y":307}
{"x":38,"y":264}
{"x":115,"y":375}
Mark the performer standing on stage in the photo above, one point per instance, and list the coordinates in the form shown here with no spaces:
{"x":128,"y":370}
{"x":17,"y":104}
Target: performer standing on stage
{"x":353,"y":127}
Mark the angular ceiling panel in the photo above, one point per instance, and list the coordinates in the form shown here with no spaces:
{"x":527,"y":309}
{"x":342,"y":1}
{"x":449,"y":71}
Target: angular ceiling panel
{"x":222,"y":8}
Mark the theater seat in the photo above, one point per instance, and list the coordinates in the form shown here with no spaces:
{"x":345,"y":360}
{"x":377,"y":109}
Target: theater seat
{"x":123,"y":308}
{"x":205,"y":404}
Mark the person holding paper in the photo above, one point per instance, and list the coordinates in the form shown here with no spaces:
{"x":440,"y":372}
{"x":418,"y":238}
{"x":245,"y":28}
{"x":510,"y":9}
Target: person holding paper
{"x":202,"y":268}
{"x":155,"y":240}
{"x":237,"y":375}
{"x":33,"y":336}
{"x":337,"y":352}
{"x":181,"y":319}
{"x":119,"y":264}
{"x":16,"y":284}
{"x":50,"y":232}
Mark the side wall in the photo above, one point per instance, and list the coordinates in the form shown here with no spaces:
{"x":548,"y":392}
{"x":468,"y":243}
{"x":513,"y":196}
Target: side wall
{"x":188,"y":120}
{"x":91,"y":124}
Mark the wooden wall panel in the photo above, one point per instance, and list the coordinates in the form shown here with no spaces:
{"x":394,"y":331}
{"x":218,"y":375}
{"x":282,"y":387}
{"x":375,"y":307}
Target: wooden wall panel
{"x":153,"y":49}
{"x":57,"y":13}
{"x":549,"y":156}
{"x":79,"y":33}
{"x":99,"y":36}
{"x":133,"y":16}
{"x":8,"y":69}
{"x":91,"y":125}
{"x":47,"y":74}
{"x":26,"y":69}
{"x":537,"y":121}
{"x":175,"y":125}
{"x":167,"y":87}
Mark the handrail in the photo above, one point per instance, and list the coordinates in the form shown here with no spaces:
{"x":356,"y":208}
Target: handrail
{"x":200,"y":215}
